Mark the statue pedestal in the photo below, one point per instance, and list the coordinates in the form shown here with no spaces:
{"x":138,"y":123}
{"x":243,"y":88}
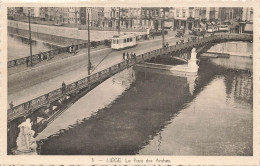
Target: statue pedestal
{"x":188,"y":69}
{"x":17,"y":152}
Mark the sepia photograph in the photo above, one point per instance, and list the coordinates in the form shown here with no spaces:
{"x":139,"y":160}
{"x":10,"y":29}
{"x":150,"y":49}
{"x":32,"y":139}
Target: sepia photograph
{"x":175,"y":81}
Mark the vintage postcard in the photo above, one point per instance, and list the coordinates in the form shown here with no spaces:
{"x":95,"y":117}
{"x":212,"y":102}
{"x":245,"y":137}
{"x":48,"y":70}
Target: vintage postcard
{"x":129,"y":82}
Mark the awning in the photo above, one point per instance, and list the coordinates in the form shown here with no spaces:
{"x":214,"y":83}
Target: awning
{"x":213,"y":23}
{"x":201,"y":24}
{"x":208,"y":23}
{"x":168,"y":24}
{"x":249,"y":27}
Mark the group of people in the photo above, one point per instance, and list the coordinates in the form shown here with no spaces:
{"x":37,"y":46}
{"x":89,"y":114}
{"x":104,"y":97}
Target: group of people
{"x":72,"y":49}
{"x":127,"y":56}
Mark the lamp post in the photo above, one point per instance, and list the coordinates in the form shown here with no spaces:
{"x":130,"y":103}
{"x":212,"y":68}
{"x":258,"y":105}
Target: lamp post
{"x":119,"y":21}
{"x":76,"y":19}
{"x":163,"y":27}
{"x":30,"y":39}
{"x":89,"y":63}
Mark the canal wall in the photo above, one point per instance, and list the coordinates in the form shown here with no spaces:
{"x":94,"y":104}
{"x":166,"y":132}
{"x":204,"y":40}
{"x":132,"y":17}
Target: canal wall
{"x":60,"y":35}
{"x":234,"y":62}
{"x":237,"y":48}
{"x":43,"y":33}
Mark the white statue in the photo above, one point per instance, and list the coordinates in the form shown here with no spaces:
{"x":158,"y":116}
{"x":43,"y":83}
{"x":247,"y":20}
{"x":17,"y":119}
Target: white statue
{"x":193,"y":54}
{"x":192,"y":63}
{"x":25,"y":141}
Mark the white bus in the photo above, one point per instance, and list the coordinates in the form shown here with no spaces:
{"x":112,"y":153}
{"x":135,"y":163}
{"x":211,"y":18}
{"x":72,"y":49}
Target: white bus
{"x":124,"y":41}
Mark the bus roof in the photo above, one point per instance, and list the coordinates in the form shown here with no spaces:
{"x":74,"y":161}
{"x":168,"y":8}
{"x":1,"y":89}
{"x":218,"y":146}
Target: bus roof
{"x":123,"y":36}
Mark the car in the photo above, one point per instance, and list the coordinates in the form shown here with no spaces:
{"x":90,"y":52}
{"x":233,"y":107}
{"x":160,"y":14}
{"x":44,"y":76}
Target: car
{"x":212,"y":29}
{"x":180,"y":32}
{"x":58,"y":24}
{"x":223,"y":28}
{"x":198,"y":32}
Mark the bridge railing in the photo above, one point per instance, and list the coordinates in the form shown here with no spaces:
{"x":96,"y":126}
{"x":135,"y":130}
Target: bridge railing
{"x":51,"y":53}
{"x":23,"y":109}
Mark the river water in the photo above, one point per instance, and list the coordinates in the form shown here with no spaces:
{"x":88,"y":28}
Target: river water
{"x":19,"y":47}
{"x":150,"y":112}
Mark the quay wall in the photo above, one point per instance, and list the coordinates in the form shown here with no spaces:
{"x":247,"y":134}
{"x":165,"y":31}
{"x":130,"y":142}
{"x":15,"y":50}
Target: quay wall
{"x":49,"y":38}
{"x":238,"y":48}
{"x":235,"y":62}
{"x":63,"y":32}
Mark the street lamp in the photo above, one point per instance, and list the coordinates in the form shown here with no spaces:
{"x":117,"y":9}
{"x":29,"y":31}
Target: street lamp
{"x":76,"y":12}
{"x":30,"y":39}
{"x":163,"y":27}
{"x":89,"y":63}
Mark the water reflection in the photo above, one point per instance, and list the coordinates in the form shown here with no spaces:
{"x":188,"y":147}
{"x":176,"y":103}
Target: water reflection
{"x":18,"y":47}
{"x":156,"y":113}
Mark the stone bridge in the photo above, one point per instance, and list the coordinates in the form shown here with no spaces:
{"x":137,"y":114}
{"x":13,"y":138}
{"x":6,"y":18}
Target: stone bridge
{"x":52,"y":104}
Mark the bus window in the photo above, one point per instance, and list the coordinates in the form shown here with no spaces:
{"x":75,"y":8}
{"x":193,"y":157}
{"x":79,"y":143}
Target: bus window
{"x":128,"y":40}
{"x":114,"y":41}
{"x":131,"y":39}
{"x":124,"y":40}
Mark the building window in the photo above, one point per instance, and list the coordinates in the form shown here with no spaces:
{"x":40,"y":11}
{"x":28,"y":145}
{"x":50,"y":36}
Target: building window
{"x":190,"y":14}
{"x":177,"y":12}
{"x":183,"y":13}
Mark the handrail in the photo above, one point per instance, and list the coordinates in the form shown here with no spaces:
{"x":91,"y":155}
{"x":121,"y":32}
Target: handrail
{"x":38,"y":102}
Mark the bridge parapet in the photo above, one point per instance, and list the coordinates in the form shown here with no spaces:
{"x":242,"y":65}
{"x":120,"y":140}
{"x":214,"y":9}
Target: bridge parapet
{"x":72,"y":88}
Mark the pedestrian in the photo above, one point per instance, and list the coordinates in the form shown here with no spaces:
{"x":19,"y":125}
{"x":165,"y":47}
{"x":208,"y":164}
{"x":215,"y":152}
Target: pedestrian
{"x":42,"y":55}
{"x":63,"y":87}
{"x":131,"y":55}
{"x":134,"y":56}
{"x":123,"y":56}
{"x":27,"y":61}
{"x":90,"y":66}
{"x":48,"y":56}
{"x":167,"y":44}
{"x":11,"y":105}
{"x":40,"y":58}
{"x":127,"y":55}
{"x":72,"y":47}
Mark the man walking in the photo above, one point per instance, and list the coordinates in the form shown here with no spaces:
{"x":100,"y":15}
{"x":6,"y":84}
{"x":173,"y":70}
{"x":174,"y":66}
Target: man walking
{"x":123,"y":56}
{"x":27,"y":61}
